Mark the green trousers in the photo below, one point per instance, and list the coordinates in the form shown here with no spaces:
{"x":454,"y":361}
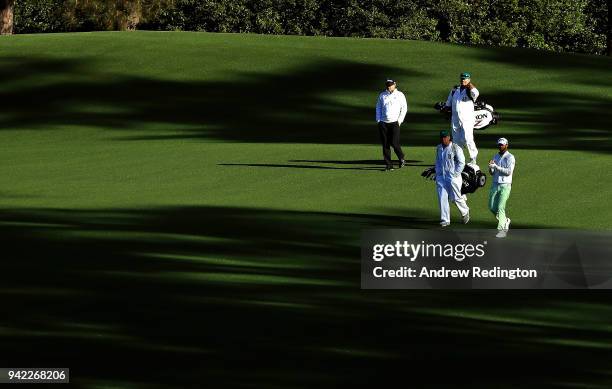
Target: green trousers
{"x":498,"y":196}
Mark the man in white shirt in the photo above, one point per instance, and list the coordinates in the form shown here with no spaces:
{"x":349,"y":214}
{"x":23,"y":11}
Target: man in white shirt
{"x":449,"y":165}
{"x":502,"y":168}
{"x":391,"y":108}
{"x":461,"y":102}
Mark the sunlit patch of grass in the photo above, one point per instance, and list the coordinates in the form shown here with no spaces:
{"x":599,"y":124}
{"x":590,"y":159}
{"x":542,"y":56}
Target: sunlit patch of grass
{"x":264,"y":263}
{"x":579,"y":343}
{"x":225,"y":278}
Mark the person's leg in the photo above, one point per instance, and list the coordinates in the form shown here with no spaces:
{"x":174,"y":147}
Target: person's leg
{"x":443,"y":200}
{"x":468,"y":136}
{"x":457,"y":133}
{"x":504,"y":193}
{"x":457,"y":197}
{"x":493,"y":198}
{"x":384,"y":140}
{"x":462,"y":206}
{"x":455,"y":126}
{"x":395,"y":130}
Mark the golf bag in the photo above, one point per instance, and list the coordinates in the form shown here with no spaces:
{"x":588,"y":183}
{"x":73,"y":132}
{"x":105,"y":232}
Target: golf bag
{"x":472,"y":178}
{"x":484,"y":114}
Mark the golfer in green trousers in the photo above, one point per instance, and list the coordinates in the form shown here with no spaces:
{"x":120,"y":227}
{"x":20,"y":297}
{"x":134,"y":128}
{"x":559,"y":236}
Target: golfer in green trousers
{"x":501,"y":167}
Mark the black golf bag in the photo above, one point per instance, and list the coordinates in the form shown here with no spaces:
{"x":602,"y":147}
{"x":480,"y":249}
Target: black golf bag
{"x":484,"y":114}
{"x":472,"y":177}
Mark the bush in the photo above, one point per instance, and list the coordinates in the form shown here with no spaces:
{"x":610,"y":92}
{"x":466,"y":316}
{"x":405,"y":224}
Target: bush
{"x":35,"y":16}
{"x":559,"y":25}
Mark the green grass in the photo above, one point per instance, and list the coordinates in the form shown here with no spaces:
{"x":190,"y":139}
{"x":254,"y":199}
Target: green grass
{"x":181,"y":197}
{"x":108,"y":120}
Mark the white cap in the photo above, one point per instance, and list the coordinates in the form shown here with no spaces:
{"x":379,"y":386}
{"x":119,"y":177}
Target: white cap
{"x":502,"y":141}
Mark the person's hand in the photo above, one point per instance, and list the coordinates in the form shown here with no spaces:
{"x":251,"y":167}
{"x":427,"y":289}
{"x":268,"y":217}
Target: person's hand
{"x":429,"y":173}
{"x":491,"y":162}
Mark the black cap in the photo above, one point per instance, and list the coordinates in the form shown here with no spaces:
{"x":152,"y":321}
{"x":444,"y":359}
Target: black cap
{"x":389,"y":82}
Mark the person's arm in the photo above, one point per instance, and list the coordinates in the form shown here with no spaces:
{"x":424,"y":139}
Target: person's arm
{"x":378,"y":109}
{"x":474,"y":93}
{"x":403,"y":109}
{"x":459,"y":160}
{"x":506,"y":171}
{"x":449,"y":100}
{"x":437,"y":165}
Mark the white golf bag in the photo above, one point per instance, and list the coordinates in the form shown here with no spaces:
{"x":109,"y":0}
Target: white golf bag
{"x":484,"y":114}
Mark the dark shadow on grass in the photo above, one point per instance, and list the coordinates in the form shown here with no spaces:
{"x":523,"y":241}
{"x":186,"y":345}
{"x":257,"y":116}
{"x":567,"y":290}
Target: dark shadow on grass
{"x":277,"y":165}
{"x":540,"y":120}
{"x":256,"y":109}
{"x":314,"y":109}
{"x":577,"y":69}
{"x":380,"y":165}
{"x":236,"y":297}
{"x":351,"y":162}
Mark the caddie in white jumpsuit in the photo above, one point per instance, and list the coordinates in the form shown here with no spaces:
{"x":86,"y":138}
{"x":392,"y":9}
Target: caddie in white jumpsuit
{"x":449,"y":165}
{"x":461,"y":102}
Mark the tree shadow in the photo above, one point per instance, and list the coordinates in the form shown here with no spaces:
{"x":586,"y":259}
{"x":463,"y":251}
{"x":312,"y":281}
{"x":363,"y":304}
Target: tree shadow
{"x":576,"y":69}
{"x":543,"y":120}
{"x":295,"y":106}
{"x":237,"y":297}
{"x":305,"y":104}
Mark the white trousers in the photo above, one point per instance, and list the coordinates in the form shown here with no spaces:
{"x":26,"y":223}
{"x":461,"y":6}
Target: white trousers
{"x":450,"y":190}
{"x":463,"y":135}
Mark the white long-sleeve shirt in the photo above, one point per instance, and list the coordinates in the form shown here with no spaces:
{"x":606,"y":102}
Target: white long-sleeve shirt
{"x":461,"y":101}
{"x":503,"y":168}
{"x":391,"y":107}
{"x":450,"y":161}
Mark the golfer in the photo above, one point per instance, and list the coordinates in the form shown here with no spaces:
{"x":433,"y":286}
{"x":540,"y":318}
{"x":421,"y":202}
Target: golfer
{"x":391,"y":109}
{"x":461,"y":102}
{"x":502,"y":168}
{"x":449,"y":165}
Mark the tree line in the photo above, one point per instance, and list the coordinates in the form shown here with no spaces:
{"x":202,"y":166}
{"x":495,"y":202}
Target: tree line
{"x":557,"y":25}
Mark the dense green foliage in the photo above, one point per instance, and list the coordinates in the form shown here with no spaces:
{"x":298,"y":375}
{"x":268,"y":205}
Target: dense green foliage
{"x":557,"y":25}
